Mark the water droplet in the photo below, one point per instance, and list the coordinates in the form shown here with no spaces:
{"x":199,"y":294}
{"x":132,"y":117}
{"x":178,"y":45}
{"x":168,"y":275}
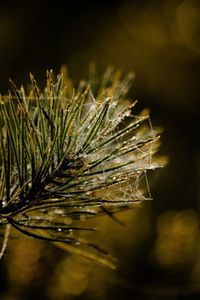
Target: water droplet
{"x":127,"y":113}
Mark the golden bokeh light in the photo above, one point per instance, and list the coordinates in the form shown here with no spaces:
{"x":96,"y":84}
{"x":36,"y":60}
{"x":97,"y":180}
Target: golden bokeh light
{"x":177,"y":237}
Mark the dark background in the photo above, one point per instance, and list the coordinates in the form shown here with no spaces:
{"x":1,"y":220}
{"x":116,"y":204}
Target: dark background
{"x":159,"y":41}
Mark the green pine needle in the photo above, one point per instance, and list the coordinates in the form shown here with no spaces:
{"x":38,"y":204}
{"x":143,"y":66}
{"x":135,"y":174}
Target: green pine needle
{"x":71,"y":153}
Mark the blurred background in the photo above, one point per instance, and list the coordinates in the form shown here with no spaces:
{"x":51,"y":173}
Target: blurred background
{"x":158,"y":251}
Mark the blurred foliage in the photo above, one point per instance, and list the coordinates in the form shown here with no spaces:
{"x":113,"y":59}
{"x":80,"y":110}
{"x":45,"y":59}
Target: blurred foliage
{"x":159,"y":41}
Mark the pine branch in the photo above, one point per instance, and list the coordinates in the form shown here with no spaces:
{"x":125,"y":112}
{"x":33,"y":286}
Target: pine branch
{"x":65,"y":154}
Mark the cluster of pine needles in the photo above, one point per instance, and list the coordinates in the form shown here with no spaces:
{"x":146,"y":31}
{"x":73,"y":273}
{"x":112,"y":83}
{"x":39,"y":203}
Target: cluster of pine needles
{"x":71,"y":154}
